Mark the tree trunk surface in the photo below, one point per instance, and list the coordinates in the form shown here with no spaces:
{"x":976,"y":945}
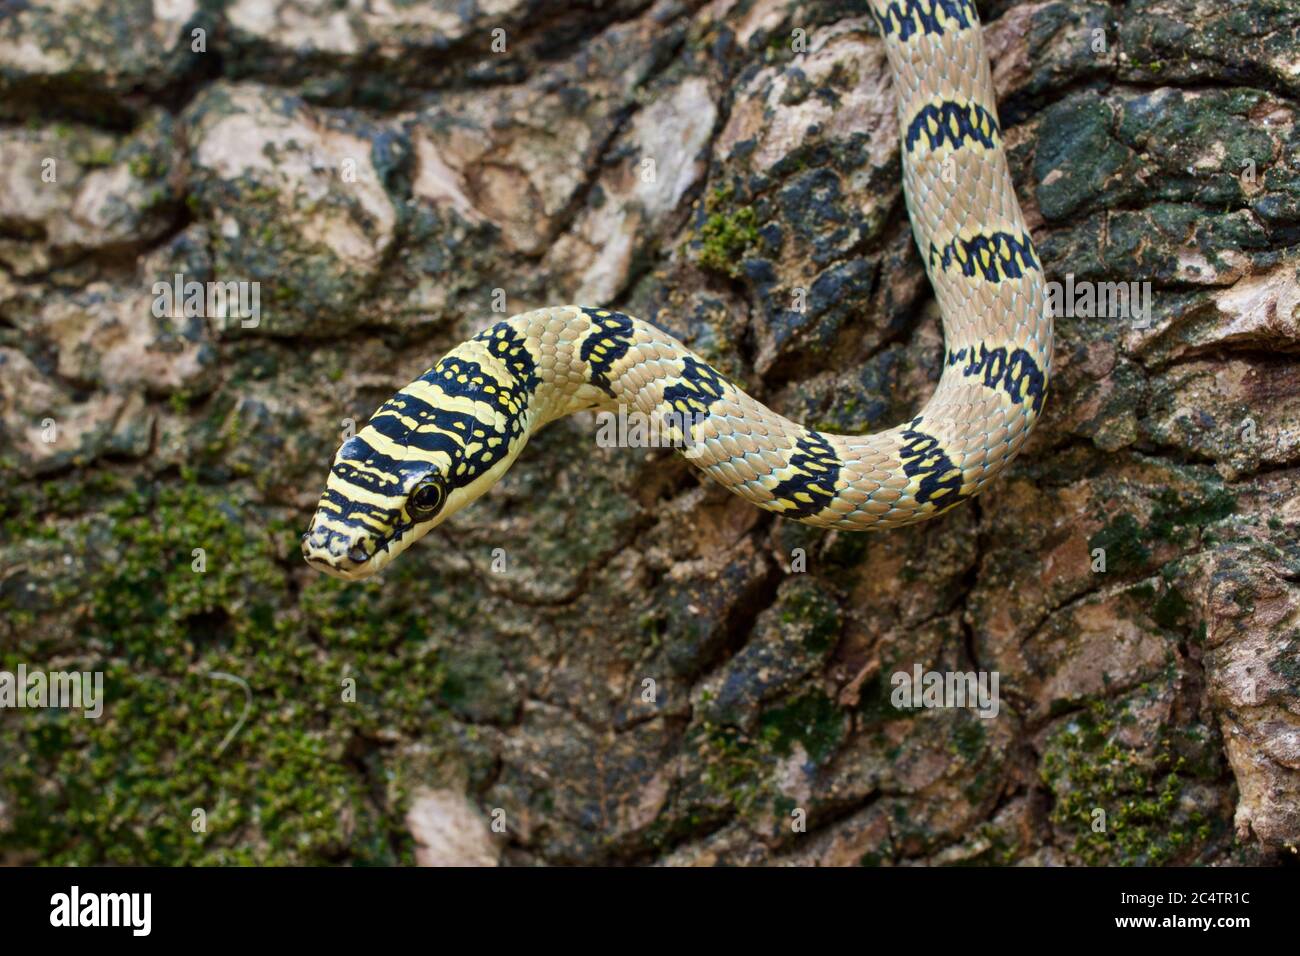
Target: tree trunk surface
{"x":608,"y":659}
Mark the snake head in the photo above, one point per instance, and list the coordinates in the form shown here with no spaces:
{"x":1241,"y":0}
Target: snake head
{"x":373,"y":508}
{"x":426,"y":453}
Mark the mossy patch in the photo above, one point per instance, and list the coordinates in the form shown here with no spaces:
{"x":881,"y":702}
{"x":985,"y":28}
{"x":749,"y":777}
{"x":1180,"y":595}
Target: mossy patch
{"x":809,"y":610}
{"x":1121,"y":540}
{"x":1121,"y":806}
{"x":812,"y":719}
{"x":1176,"y":517}
{"x":743,"y":769}
{"x":727,"y":234}
{"x":332,"y":673}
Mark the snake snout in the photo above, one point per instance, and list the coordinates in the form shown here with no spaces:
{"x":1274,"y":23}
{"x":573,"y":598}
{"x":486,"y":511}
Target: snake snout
{"x":336,"y":551}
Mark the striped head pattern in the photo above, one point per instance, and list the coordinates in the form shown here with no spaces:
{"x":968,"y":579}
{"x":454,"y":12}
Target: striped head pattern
{"x":429,"y":451}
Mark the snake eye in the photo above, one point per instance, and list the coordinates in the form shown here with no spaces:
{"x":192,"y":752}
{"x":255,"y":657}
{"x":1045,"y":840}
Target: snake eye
{"x":426,"y":498}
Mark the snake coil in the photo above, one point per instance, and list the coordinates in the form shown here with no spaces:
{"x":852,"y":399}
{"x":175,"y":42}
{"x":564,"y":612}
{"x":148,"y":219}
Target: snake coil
{"x":444,"y":439}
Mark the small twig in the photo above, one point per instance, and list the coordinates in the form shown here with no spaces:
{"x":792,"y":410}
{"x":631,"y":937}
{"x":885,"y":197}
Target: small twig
{"x":248,"y":706}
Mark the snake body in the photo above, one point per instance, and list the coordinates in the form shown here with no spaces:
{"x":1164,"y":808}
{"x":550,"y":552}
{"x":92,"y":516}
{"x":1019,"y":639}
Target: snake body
{"x":444,"y":439}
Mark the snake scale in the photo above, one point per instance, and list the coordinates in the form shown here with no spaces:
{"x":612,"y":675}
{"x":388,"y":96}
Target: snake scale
{"x":444,"y":439}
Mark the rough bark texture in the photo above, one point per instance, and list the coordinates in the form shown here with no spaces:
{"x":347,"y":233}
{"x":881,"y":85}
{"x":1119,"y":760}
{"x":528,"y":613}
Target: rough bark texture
{"x":381,"y":171}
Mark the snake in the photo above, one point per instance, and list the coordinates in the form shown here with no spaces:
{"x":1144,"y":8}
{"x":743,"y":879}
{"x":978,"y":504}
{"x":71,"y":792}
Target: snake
{"x":446,"y":438}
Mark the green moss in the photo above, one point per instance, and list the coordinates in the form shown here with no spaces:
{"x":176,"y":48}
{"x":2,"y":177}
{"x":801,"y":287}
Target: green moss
{"x":147,"y":166}
{"x":726,"y":235}
{"x":1286,"y":663}
{"x":180,"y":401}
{"x":97,"y":157}
{"x":810,"y":608}
{"x":1176,"y":517}
{"x":969,"y":737}
{"x":812,"y":719}
{"x":1088,"y":769}
{"x":744,"y":769}
{"x":735,"y":764}
{"x":302,"y":782}
{"x":473,"y":686}
{"x":1122,"y":542}
{"x":1171,"y":610}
